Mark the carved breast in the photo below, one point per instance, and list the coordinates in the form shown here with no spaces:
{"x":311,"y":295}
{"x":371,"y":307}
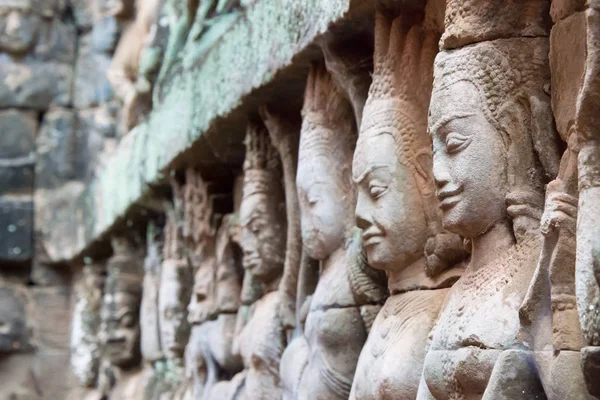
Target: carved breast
{"x":479,"y":322}
{"x":391,"y":362}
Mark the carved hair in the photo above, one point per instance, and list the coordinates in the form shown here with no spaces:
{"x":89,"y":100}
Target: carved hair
{"x":509,"y":75}
{"x":180,"y":271}
{"x":262,"y":167}
{"x":125,"y":268}
{"x":198,"y":209}
{"x":328,"y":128}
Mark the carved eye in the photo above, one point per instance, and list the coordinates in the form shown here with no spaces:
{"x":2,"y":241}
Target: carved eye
{"x":376,"y":191}
{"x":456,"y":142}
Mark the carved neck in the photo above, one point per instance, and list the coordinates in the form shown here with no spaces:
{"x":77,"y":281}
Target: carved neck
{"x":272,"y":285}
{"x":487,"y":247}
{"x":339,"y":255}
{"x":406,"y":279}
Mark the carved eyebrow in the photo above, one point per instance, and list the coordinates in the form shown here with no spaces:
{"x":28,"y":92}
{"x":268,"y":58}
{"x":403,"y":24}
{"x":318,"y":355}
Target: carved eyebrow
{"x":449,"y":118}
{"x":368,"y":171}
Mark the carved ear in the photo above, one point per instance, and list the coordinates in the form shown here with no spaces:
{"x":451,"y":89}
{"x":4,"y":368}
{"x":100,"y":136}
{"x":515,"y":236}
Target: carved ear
{"x":424,"y":165}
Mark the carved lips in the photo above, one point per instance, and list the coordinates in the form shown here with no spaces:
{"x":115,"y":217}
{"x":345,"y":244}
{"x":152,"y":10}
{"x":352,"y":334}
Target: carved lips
{"x":449,"y":197}
{"x":371,"y":237}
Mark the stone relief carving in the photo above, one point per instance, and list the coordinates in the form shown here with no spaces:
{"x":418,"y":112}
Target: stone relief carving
{"x":149,"y":320}
{"x":85,"y":344}
{"x":425,"y":241}
{"x":136,"y":61}
{"x":261,"y":340}
{"x":491,"y":161}
{"x":313,"y":365}
{"x":120,"y":329}
{"x":19,"y":24}
{"x":173,"y":299}
{"x":397,"y":211}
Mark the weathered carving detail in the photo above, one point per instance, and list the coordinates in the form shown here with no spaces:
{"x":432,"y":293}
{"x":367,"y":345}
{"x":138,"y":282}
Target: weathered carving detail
{"x":492,"y":133}
{"x":262,"y":216}
{"x":397,"y":211}
{"x":85,"y":343}
{"x":120,"y":329}
{"x":314,"y":365}
{"x":136,"y":61}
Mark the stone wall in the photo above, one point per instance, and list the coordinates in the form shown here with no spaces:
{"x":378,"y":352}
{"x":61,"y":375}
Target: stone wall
{"x":282,"y":199}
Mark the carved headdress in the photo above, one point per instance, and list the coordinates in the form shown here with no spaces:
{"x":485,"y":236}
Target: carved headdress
{"x":125,"y":268}
{"x":328,"y":127}
{"x":198,"y":209}
{"x":262,"y":167}
{"x":327,"y":119}
{"x":399,"y":95}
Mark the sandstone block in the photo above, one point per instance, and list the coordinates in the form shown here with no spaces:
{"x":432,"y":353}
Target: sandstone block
{"x":91,"y":87}
{"x":34,"y":85}
{"x":18,"y":133}
{"x":56,"y":144}
{"x":473,"y":21}
{"x":16,"y":230}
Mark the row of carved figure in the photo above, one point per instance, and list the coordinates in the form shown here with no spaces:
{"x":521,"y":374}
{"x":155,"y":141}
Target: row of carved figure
{"x":416,"y":240}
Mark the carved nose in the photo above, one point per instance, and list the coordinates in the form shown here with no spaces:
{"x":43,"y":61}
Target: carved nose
{"x":361,"y":213}
{"x":440,"y":174}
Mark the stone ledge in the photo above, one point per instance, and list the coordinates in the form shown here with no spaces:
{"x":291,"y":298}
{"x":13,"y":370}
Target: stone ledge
{"x":269,"y":43}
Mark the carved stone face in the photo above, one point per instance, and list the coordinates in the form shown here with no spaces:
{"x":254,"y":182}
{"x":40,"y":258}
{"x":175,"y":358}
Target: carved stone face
{"x":389,"y":209}
{"x":18,"y":29}
{"x":322,"y":198}
{"x":201,"y":305}
{"x":172,"y":312}
{"x":120,"y":332}
{"x":229,"y":282}
{"x":13,"y":329}
{"x":470,"y":164}
{"x":263,"y":235}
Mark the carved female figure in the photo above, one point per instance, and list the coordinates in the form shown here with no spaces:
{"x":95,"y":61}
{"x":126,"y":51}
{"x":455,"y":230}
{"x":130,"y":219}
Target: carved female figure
{"x":85,"y":345}
{"x":397,"y":214}
{"x":120,"y":329}
{"x":321,"y":364}
{"x":262,"y":216}
{"x":489,"y":118}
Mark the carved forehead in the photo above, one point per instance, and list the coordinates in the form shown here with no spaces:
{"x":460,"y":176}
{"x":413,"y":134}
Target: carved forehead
{"x":374,"y":149}
{"x":253,"y":206}
{"x":457,"y":100}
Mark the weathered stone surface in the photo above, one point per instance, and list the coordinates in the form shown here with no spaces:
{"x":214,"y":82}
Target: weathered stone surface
{"x":16,"y":372}
{"x":16,"y":229}
{"x":473,"y":21}
{"x":560,"y":9}
{"x":55,"y":147}
{"x":17,"y":147}
{"x":567,"y":61}
{"x":18,"y":133}
{"x":34,"y":85}
{"x":83,"y":13}
{"x":56,"y":42}
{"x":261,"y":45}
{"x":95,"y":133}
{"x":91,"y":87}
{"x":57,"y":214}
{"x":15,"y":312}
{"x":17,"y":176}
